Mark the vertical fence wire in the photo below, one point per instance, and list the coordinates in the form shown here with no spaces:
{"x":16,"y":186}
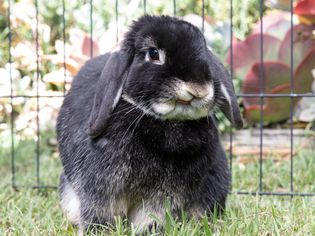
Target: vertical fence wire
{"x":64,"y":45}
{"x":174,"y":7}
{"x":291,"y":97}
{"x":231,"y":72}
{"x":37,"y":98}
{"x":144,"y":6}
{"x":203,"y":16}
{"x":91,"y":28}
{"x":11,"y":98}
{"x":116,"y":18}
{"x":262,"y":91}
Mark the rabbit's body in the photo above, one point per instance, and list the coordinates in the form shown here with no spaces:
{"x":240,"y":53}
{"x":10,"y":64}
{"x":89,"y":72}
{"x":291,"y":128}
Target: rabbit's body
{"x":140,"y":162}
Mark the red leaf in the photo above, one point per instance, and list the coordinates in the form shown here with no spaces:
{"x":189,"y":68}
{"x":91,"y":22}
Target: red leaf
{"x":86,"y":47}
{"x":274,"y":109}
{"x":275,"y":24}
{"x":275,"y":74}
{"x":303,"y":75}
{"x":276,"y":81}
{"x":305,"y":7}
{"x":247,"y":52}
{"x":303,"y":41}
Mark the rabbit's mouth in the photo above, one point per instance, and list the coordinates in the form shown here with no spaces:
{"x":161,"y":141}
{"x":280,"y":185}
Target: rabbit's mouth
{"x":190,"y":102}
{"x":178,"y":110}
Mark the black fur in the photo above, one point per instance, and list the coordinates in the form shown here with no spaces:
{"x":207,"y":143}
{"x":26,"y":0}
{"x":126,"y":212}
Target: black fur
{"x":133,"y":156}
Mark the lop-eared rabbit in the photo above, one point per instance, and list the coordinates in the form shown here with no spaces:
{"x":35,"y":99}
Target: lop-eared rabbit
{"x":136,"y":129}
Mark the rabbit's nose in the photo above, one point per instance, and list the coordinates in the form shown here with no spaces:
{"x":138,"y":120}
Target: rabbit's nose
{"x":191,"y":91}
{"x":197,"y":91}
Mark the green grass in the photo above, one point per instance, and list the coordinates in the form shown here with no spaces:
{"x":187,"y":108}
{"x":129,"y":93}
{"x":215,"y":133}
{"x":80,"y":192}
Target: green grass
{"x":36,"y":211}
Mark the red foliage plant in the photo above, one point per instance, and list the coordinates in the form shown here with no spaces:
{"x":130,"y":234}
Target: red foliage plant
{"x":272,"y":74}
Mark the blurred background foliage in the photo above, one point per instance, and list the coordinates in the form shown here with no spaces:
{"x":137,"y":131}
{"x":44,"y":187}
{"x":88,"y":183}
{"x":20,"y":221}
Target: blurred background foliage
{"x":65,"y":42}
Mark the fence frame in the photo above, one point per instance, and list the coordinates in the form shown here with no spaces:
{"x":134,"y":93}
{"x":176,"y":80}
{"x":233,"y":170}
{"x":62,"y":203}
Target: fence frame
{"x":262,"y":95}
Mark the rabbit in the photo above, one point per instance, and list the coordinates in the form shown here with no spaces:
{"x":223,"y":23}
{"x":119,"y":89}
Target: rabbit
{"x":136,"y":129}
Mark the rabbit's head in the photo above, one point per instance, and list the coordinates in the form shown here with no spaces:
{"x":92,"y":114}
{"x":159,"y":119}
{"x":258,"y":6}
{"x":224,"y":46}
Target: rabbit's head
{"x":165,"y":69}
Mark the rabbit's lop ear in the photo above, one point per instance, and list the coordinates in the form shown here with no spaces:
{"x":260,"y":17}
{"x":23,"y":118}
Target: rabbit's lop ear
{"x":108,"y":92}
{"x":226,"y":98}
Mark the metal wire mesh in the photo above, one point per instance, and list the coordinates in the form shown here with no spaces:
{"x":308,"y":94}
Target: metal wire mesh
{"x":262,"y":95}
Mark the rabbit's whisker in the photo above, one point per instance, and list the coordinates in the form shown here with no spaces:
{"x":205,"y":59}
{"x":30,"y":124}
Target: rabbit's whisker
{"x":126,"y":109}
{"x":135,"y":121}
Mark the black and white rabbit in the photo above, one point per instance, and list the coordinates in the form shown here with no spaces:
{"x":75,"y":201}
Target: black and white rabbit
{"x":136,"y":129}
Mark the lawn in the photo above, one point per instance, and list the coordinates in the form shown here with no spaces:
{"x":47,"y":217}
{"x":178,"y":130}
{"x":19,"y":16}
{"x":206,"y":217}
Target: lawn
{"x":36,"y":211}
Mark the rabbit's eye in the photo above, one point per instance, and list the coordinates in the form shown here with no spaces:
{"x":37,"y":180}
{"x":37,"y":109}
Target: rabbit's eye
{"x":154,"y":54}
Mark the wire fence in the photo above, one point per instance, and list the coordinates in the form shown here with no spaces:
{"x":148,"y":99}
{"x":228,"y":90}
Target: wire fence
{"x":261,"y":96}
